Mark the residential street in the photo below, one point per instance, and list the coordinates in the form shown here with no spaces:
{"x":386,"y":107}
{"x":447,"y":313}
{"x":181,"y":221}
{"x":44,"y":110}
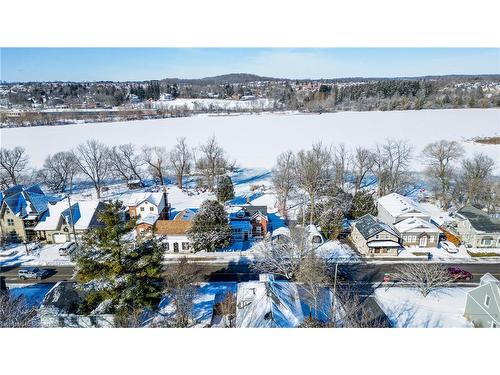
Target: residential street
{"x":364,"y":272}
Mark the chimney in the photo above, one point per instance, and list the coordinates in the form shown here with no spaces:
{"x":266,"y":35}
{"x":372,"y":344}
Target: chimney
{"x":248,"y":200}
{"x":167,"y":205}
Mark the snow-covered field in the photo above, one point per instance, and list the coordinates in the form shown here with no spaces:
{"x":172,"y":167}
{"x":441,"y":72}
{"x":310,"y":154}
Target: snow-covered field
{"x":407,"y":308}
{"x":256,"y":140}
{"x":213,"y":104}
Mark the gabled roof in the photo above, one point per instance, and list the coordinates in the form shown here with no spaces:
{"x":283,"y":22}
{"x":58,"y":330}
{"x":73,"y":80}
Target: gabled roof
{"x":368,"y":226}
{"x":23,"y":201}
{"x":479,"y":219}
{"x":398,"y":205}
{"x":136,"y":199}
{"x":277,"y":304}
{"x":415,"y":224}
{"x":246,"y":211}
{"x":83,"y":213}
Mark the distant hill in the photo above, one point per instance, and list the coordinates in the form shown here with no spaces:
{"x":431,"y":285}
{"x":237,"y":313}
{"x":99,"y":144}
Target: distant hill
{"x":225,"y":78}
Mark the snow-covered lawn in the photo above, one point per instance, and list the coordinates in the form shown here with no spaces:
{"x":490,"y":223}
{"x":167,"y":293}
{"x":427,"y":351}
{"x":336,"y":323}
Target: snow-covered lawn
{"x":407,"y":308}
{"x":256,"y":140}
{"x":337,"y":251}
{"x":47,"y":255}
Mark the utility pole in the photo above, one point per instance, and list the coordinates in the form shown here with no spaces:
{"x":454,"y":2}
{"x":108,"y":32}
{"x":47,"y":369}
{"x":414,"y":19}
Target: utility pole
{"x":72,"y":222}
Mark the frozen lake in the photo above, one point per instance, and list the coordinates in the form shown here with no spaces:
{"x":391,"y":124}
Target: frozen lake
{"x":256,"y":140}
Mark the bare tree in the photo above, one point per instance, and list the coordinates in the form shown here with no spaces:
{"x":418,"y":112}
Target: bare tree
{"x":426,"y":277}
{"x":180,"y":158}
{"x":227,"y":309}
{"x":93,"y":159}
{"x":476,"y":179}
{"x":439,"y":158}
{"x":284,"y":179}
{"x":125,"y":162}
{"x":14,"y":313}
{"x":156,"y":160}
{"x":363,"y":161}
{"x":391,"y":163}
{"x":181,"y":290}
{"x":59,"y":170}
{"x":341,"y":161}
{"x":313,"y":171}
{"x":313,"y":275}
{"x":283,"y":256}
{"x":213,"y":162}
{"x":356,"y":311}
{"x":13,"y":163}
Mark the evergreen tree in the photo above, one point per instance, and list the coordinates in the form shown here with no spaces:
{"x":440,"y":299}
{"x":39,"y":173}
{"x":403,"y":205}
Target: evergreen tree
{"x":121,"y":276}
{"x":225,"y":189}
{"x":210,"y":228}
{"x":362,"y":204}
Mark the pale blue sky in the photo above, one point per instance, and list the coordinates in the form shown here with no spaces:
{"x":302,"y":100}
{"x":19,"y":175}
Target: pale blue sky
{"x":119,"y":64}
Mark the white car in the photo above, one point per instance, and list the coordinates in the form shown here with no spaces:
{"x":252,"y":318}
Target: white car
{"x":67,"y":248}
{"x":449,"y":247}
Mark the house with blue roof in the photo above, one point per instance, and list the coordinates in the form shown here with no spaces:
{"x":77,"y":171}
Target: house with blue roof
{"x":21,"y":208}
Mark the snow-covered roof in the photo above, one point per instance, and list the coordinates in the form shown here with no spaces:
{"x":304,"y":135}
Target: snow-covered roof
{"x":415,"y":224}
{"x":397,"y":205}
{"x":488,"y":278}
{"x":136,"y":199}
{"x":385,"y":243}
{"x":24,"y":201}
{"x":369,"y":226}
{"x":276,"y":304}
{"x":281,"y":231}
{"x":149,"y":219}
{"x":83,"y":213}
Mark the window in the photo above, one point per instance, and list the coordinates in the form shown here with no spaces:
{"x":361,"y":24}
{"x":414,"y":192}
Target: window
{"x":167,"y":246}
{"x":10,"y":222}
{"x":142,"y":208}
{"x":493,"y":325}
{"x":486,"y":241}
{"x":151,"y":208}
{"x":487,"y":300}
{"x":176,"y":247}
{"x":185,"y":246}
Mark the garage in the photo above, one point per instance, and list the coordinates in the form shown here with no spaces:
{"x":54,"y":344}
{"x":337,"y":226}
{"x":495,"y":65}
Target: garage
{"x":59,"y":238}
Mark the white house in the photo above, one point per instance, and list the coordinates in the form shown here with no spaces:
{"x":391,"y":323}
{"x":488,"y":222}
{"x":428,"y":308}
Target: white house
{"x":58,"y":222}
{"x":417,"y":232}
{"x":393,"y":208}
{"x":141,"y":205}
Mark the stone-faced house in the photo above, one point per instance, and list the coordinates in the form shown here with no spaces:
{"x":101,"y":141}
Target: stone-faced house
{"x":416,"y":232}
{"x":173,"y":232}
{"x":393,"y":208}
{"x":477,"y":229}
{"x":20,"y":210}
{"x":483,"y":303}
{"x":248,"y":222}
{"x":374,"y":238}
{"x":56,"y":225}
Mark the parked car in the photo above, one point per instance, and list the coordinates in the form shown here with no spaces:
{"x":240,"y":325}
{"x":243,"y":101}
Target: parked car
{"x":32,"y":273}
{"x":449,"y":247}
{"x":67,"y":248}
{"x":458,"y":274}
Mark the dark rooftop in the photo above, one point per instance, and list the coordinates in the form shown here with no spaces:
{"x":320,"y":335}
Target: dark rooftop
{"x":479,"y":219}
{"x":368,"y":226}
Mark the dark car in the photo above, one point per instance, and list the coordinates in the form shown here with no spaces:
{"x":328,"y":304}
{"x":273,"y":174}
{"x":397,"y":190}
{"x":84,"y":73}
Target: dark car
{"x":32,"y":273}
{"x":458,"y":274}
